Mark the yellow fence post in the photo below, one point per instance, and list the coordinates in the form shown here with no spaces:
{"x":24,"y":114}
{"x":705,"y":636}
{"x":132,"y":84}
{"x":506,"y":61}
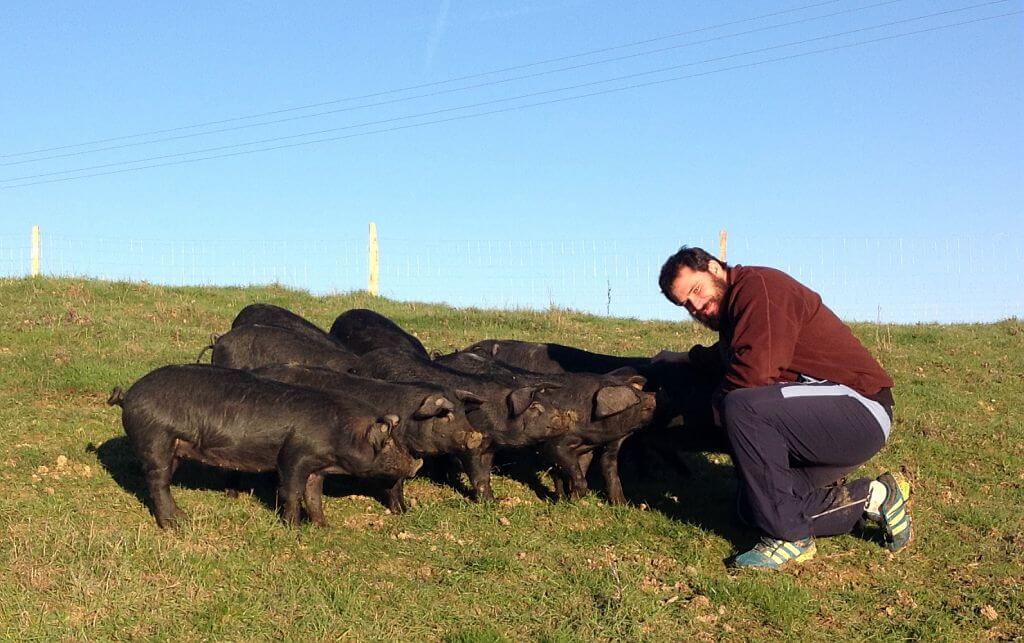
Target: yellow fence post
{"x":35,"y":251}
{"x":721,"y":245}
{"x":374,"y":274}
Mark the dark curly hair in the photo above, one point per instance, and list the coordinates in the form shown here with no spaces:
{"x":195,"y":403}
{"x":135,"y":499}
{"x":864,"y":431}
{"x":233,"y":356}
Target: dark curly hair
{"x":693,"y":258}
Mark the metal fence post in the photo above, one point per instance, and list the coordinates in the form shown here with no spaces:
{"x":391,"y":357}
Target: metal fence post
{"x":35,"y":251}
{"x":721,"y":245}
{"x":374,"y":267}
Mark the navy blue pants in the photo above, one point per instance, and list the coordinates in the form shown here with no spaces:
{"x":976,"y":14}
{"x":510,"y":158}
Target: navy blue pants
{"x":791,"y":444}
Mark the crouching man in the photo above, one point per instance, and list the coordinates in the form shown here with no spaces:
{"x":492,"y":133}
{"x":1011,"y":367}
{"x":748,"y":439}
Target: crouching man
{"x":801,"y":400}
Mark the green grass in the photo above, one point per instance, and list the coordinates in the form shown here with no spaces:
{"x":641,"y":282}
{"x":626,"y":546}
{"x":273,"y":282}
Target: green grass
{"x":82,"y":556}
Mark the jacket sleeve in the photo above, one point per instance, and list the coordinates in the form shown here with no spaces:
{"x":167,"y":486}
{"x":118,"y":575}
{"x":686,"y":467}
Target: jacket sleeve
{"x":768,"y":318}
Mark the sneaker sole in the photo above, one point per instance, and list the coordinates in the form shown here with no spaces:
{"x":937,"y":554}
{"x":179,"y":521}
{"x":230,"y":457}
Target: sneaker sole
{"x":903,"y":486}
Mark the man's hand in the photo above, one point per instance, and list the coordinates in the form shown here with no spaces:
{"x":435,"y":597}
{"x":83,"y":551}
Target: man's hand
{"x":671,"y":357}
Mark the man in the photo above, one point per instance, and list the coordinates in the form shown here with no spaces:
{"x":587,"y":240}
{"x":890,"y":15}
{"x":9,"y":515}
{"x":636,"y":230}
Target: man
{"x":801,"y":400}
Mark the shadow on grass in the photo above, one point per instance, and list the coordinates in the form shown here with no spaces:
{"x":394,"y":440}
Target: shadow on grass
{"x":679,"y":482}
{"x":671,"y":472}
{"x":116,"y":456}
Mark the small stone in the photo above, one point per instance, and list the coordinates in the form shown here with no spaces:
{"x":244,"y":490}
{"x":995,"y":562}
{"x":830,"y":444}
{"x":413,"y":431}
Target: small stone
{"x":505,"y":521}
{"x":49,"y":491}
{"x":62,"y":461}
{"x":989,"y":612}
{"x":42,"y":470}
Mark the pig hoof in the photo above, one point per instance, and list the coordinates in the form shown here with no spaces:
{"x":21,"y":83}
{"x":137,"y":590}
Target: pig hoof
{"x":172,"y":521}
{"x":485,"y":496}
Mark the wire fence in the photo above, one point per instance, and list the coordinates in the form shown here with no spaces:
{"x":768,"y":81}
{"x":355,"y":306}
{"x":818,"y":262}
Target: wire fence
{"x":898,"y":279}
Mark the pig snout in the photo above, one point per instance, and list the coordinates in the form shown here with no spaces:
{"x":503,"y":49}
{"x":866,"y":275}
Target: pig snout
{"x":396,"y":461}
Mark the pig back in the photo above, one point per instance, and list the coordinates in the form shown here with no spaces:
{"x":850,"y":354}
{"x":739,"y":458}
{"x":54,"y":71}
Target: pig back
{"x":433,"y":417}
{"x":362,"y":330}
{"x":553,"y":358}
{"x":253,"y":346}
{"x":271,"y":315}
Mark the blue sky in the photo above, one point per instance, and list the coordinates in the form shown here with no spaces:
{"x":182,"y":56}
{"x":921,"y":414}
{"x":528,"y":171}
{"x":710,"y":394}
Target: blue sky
{"x":916,"y":138}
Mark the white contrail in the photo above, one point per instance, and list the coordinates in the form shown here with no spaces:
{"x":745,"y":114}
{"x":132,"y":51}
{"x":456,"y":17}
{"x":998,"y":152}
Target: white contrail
{"x":435,"y":36}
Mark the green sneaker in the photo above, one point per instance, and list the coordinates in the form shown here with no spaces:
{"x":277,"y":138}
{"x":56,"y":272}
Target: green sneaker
{"x":772,"y":553}
{"x":894,"y":514}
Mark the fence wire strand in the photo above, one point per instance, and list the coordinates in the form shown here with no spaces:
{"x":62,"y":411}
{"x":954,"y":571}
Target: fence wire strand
{"x":889,"y":279}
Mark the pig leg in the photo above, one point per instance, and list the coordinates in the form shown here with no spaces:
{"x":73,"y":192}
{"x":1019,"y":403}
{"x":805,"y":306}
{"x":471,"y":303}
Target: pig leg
{"x":585,"y":460}
{"x":158,"y":479}
{"x":610,"y":470}
{"x":567,"y":461}
{"x":232,"y":484}
{"x":559,"y":482}
{"x":159,"y":462}
{"x":293,"y":474}
{"x":396,"y":497}
{"x":478,"y":467}
{"x":313,"y":495}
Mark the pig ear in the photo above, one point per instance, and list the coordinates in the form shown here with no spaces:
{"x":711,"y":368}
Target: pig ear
{"x":468,"y":397}
{"x":613,"y":399}
{"x":380,"y":431}
{"x":434,"y":405}
{"x":638,"y":382}
{"x":520,"y":399}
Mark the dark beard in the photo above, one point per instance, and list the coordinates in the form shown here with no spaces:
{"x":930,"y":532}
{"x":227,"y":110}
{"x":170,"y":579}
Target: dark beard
{"x":714,"y":322}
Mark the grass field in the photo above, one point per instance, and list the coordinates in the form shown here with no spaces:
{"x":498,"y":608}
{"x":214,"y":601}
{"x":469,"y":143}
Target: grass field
{"x":82,"y":558}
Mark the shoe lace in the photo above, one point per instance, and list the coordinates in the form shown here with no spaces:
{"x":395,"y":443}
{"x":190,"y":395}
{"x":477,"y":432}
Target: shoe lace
{"x":768,"y":545}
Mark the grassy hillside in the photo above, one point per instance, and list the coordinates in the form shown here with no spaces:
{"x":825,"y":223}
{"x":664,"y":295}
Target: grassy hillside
{"x":81,"y":556}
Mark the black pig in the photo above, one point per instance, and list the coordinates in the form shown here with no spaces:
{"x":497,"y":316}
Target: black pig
{"x":271,"y":315}
{"x":233,"y":419}
{"x":682,"y":416}
{"x":554,"y":358}
{"x":254,"y":346}
{"x":509,"y":413}
{"x":590,"y":412}
{"x":432,"y":418}
{"x":362,"y":331}
{"x":607,"y":410}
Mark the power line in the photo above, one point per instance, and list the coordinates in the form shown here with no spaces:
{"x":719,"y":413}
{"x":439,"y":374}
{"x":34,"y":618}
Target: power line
{"x":455,"y":89}
{"x":436,"y":112}
{"x":513,"y":108}
{"x":431,"y":84}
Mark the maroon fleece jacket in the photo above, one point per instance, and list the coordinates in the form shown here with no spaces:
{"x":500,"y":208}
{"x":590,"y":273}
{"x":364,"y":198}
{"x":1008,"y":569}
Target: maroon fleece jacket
{"x":774,"y":329}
